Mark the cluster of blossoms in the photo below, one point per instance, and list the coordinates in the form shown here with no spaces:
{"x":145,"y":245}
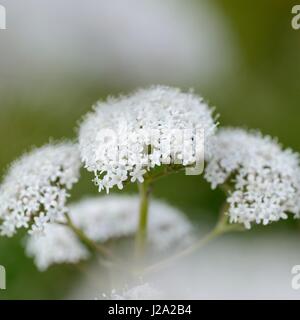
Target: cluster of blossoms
{"x":263,"y":179}
{"x":35,"y":189}
{"x":121,"y":141}
{"x":103,"y":219}
{"x":126,"y":137}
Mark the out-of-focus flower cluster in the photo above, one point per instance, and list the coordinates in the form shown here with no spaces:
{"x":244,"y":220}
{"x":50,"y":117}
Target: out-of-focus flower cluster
{"x":106,"y":218}
{"x":58,"y":244}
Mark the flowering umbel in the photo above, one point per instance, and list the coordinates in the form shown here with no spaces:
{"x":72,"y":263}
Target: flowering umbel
{"x":124,"y":138}
{"x":35,"y":189}
{"x":262,"y":179}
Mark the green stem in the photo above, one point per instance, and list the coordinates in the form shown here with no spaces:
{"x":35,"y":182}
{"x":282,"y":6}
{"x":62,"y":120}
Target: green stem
{"x":93,"y":246}
{"x":145,"y":188}
{"x":141,"y":235}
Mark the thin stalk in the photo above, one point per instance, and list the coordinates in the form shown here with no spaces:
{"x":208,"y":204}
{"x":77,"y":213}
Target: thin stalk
{"x":93,"y":246}
{"x":144,"y":190}
{"x":141,"y":235}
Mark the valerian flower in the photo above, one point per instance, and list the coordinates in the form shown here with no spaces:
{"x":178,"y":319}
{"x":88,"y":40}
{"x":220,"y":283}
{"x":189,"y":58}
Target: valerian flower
{"x":107,"y":218}
{"x":35,"y":190}
{"x":124,"y":138}
{"x":263,"y":179}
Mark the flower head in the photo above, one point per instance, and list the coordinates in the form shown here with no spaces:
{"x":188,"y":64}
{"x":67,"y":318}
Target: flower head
{"x":34,"y":191}
{"x":263,"y":179}
{"x":126,"y":137}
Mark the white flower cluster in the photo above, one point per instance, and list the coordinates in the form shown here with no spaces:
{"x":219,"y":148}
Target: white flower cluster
{"x":141,"y":292}
{"x":34,"y":191}
{"x":124,"y":138}
{"x":264,"y":179}
{"x":58,"y":244}
{"x":106,"y":218}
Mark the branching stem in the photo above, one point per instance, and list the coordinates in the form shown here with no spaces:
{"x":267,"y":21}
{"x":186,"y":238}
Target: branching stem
{"x":92,"y":245}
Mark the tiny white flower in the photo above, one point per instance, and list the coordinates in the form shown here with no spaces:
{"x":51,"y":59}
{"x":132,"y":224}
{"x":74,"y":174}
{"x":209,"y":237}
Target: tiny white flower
{"x":137,"y":174}
{"x":22,"y":221}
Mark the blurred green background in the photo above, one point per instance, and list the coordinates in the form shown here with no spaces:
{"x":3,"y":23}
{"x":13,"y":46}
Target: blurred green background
{"x":260,"y":89}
